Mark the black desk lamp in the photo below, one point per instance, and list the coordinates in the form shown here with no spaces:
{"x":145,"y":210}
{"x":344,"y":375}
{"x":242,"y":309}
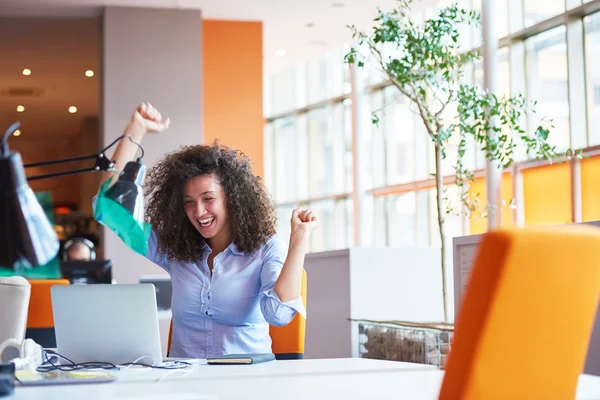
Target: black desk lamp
{"x":25,"y":232}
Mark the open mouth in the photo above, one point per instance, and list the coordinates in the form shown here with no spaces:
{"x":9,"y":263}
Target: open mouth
{"x":206,"y":221}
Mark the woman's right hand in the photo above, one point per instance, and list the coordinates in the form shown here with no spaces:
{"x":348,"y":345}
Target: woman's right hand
{"x":146,"y":119}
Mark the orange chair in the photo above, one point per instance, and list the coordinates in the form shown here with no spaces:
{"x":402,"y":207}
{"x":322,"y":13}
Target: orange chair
{"x":40,"y":319}
{"x":288,"y":340}
{"x":527,"y":316}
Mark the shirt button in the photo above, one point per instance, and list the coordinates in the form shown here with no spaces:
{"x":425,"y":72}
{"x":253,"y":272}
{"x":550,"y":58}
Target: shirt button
{"x":209,"y":350}
{"x":209,"y":333}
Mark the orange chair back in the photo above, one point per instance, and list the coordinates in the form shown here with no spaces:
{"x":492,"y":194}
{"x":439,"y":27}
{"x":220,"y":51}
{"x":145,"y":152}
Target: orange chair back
{"x":527,"y":316}
{"x":287,"y":341}
{"x":40,"y":304}
{"x":40,"y":319}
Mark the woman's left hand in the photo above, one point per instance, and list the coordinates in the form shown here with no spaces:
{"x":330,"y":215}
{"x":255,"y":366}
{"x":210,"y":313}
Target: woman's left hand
{"x":304,"y":220}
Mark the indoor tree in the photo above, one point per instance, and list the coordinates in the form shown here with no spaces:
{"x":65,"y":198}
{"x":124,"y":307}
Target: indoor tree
{"x":426,"y":63}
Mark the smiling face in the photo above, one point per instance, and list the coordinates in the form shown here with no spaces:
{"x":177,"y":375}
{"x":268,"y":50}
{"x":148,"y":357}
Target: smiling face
{"x":206,"y":209}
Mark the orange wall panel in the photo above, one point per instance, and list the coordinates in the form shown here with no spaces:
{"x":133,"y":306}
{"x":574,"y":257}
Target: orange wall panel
{"x":547,"y":195}
{"x":233,"y":85}
{"x":590,"y":189}
{"x":478,"y":223}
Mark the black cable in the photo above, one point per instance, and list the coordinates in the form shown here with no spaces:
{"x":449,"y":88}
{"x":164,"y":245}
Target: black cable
{"x":138,"y":145}
{"x":73,"y":366}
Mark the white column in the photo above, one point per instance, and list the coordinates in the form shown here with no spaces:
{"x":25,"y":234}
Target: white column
{"x":358,"y":165}
{"x":152,"y":55}
{"x":490,"y":81}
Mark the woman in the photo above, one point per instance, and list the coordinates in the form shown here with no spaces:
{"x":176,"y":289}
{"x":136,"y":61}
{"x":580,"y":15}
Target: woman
{"x":213,"y":232}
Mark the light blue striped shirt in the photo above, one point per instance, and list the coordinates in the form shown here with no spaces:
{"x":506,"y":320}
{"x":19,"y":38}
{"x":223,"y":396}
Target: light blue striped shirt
{"x":228,"y":311}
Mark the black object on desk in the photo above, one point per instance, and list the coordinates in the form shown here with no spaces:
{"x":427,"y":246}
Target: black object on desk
{"x":87,"y":272}
{"x":7,"y":379}
{"x":240,"y":359}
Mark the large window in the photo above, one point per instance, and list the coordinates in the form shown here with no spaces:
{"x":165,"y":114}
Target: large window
{"x":308,"y":144}
{"x":547,"y":82}
{"x":592,"y":58}
{"x":310,"y":150}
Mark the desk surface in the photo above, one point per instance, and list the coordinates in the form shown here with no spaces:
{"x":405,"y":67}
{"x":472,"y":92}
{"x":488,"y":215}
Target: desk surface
{"x":202,"y":371}
{"x":349,"y":380}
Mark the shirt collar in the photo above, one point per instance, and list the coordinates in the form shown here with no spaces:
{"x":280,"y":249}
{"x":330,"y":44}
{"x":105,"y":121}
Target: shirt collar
{"x":233,"y":247}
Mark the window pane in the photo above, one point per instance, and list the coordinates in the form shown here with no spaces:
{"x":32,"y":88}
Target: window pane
{"x":343,"y":233}
{"x":322,"y":239}
{"x":348,"y":158}
{"x":283,"y":91}
{"x":402,"y":210}
{"x":539,"y":10}
{"x":342,"y":148}
{"x":547,"y":82}
{"x":380,"y":222}
{"x":547,"y":194}
{"x":284,"y":213}
{"x":320,"y":141}
{"x":592,"y":59}
{"x":377,"y":144}
{"x":290,"y":133}
{"x":301,"y":85}
{"x":328,"y":76}
{"x":318,"y":84}
{"x":399,"y":130}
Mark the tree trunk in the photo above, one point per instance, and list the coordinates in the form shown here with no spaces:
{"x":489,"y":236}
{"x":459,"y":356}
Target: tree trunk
{"x":441,"y":219}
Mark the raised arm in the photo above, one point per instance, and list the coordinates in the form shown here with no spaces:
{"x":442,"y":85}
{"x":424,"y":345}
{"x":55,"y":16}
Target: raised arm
{"x":145,"y":119}
{"x":289,"y":283}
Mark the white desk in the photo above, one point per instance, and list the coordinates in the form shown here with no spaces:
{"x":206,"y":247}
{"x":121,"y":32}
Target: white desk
{"x":326,"y":381}
{"x":292,"y":368}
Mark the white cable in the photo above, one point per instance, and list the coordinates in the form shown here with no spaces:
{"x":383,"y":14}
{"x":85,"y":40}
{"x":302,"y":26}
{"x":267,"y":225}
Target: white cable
{"x":184,"y":370}
{"x":141,"y":358}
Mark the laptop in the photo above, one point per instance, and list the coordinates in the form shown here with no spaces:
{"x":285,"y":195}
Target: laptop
{"x":117,"y":324}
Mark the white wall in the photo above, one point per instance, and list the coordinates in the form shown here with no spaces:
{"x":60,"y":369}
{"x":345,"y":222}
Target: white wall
{"x":152,"y":55}
{"x":367,"y":283}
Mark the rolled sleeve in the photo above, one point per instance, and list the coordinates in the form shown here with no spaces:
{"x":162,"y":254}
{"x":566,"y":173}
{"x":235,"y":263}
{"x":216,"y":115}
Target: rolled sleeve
{"x":152,"y":253}
{"x":275,"y":311}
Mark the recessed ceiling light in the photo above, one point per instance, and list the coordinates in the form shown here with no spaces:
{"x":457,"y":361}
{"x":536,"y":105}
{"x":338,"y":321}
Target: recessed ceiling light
{"x":26,"y":72}
{"x":89,"y":73}
{"x":20,"y":108}
{"x":310,"y":25}
{"x":17,"y":133}
{"x":338,"y":5}
{"x":318,"y":43}
{"x":72,"y":109}
{"x":280,"y":52}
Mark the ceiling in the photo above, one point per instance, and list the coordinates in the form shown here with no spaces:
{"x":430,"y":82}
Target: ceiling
{"x":301,"y":29}
{"x":58,"y":56}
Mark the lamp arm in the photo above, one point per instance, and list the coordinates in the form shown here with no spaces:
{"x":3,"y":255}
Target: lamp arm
{"x":58,"y":174}
{"x":102,"y":162}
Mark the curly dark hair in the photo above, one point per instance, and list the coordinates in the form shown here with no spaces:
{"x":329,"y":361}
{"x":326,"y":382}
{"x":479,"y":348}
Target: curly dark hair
{"x":251,"y":211}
